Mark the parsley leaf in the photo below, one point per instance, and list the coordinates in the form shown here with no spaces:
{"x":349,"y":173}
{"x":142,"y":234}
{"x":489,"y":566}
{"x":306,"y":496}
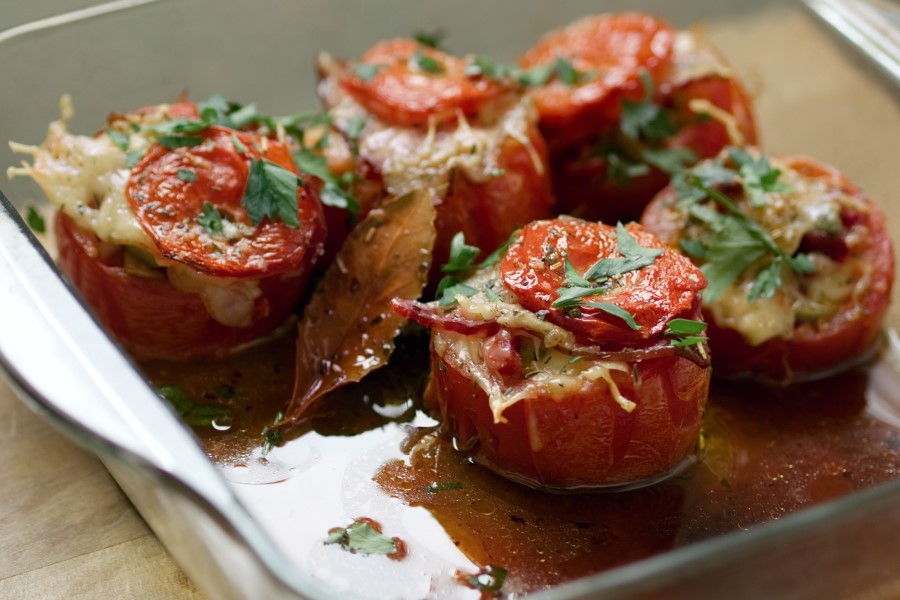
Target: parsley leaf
{"x":686,"y":332}
{"x":646,"y":119}
{"x":432,"y":39}
{"x":361,"y":538}
{"x":133,"y":157}
{"x":566,"y":72}
{"x":193,"y":414}
{"x":634,"y":257}
{"x":462,"y":255}
{"x":272,"y":437}
{"x":535,"y":76}
{"x":35,"y":220}
{"x":366,"y":71}
{"x":615,"y":311}
{"x":271,"y":192}
{"x":332,"y":193}
{"x":118,"y":138}
{"x":186,"y":175}
{"x":729,"y":252}
{"x":758,"y":177}
{"x":669,"y":161}
{"x":449,"y":288}
{"x":436,"y":488}
{"x":489,"y":580}
{"x":423,"y":62}
{"x":210,"y":219}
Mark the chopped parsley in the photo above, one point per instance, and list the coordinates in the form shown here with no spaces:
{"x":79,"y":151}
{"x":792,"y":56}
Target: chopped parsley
{"x":566,"y":73}
{"x":596,"y":279}
{"x":35,"y":220}
{"x":489,"y":580}
{"x":271,"y":193}
{"x":462,"y":255}
{"x":437,"y":488}
{"x":366,"y":71}
{"x":272,"y":437}
{"x":332,"y":194}
{"x":187,"y":175}
{"x":422,"y":62}
{"x":193,"y":414}
{"x":118,"y":138}
{"x":133,"y":157}
{"x":210,"y":219}
{"x":432,"y":39}
{"x":736,"y":241}
{"x":686,"y":332}
{"x":645,"y":119}
{"x":360,"y":537}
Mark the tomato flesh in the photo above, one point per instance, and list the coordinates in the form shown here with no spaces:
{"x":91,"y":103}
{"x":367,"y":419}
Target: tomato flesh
{"x":817,"y":347}
{"x":533,"y":269}
{"x":610,"y":51}
{"x":169,"y":188}
{"x":413,"y":83}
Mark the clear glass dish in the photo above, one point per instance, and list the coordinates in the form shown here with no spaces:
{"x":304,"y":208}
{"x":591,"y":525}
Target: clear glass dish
{"x":813,"y":96}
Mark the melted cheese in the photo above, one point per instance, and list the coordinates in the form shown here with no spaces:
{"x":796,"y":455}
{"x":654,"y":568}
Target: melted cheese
{"x":86,"y":177}
{"x":557,"y":376}
{"x":788,"y":217}
{"x":551,"y":371}
{"x":411,"y":158}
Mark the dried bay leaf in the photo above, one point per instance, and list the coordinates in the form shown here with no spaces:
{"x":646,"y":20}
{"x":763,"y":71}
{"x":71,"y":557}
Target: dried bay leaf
{"x":348,"y":327}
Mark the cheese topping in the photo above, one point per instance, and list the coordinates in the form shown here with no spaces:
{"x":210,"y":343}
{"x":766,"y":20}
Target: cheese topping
{"x":86,"y":177}
{"x":411,"y":158}
{"x":810,"y":205}
{"x":550,"y":370}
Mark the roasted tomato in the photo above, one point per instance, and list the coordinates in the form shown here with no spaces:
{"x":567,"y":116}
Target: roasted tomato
{"x":800,"y":266}
{"x":414,"y":119}
{"x":670,"y":100}
{"x":195,"y":250}
{"x":562,"y":397}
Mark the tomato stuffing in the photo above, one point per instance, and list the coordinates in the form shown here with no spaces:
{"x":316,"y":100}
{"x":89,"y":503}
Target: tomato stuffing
{"x":834,"y":269}
{"x":563,"y":401}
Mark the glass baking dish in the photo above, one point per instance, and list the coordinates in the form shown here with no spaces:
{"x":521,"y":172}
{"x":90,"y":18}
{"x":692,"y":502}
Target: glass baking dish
{"x":812,"y":96}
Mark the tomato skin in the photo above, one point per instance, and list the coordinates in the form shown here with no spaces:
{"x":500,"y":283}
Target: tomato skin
{"x":653,"y":295}
{"x":585,"y":440}
{"x":489,"y":212}
{"x":618,"y":46}
{"x":581,"y":127}
{"x":401,"y":95}
{"x":167,"y":206}
{"x":150,"y":317}
{"x":815,"y":348}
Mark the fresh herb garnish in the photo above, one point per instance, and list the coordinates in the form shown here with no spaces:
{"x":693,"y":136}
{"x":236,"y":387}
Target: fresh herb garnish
{"x":737,"y":241}
{"x":645,"y":119}
{"x":421,"y":61}
{"x":432,"y":39}
{"x":239,"y":147}
{"x":271,"y":436}
{"x":437,"y":488}
{"x":193,"y":414}
{"x":271,"y":193}
{"x":686,"y":332}
{"x":462,"y":255}
{"x":210,"y":219}
{"x":489,"y":580}
{"x":332,"y":193}
{"x":361,"y":538}
{"x":566,"y":72}
{"x":118,"y":138}
{"x":595,"y":280}
{"x":133,"y":157}
{"x":366,"y":71}
{"x":186,"y":175}
{"x":35,"y":220}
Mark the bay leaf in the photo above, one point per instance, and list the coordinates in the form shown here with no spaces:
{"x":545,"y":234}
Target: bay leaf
{"x":348,"y":327}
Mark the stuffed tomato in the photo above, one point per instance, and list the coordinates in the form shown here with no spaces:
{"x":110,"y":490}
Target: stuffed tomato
{"x":576,"y":362}
{"x":186,"y":237}
{"x":799,"y":262}
{"x":631,"y":100}
{"x":413,"y":117}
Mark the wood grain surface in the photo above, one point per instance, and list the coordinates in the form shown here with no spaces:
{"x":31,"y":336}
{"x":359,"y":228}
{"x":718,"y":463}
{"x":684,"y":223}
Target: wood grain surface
{"x":66,"y":530}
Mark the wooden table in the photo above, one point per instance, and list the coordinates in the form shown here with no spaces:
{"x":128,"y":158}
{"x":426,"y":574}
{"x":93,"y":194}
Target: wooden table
{"x":67,"y":530}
